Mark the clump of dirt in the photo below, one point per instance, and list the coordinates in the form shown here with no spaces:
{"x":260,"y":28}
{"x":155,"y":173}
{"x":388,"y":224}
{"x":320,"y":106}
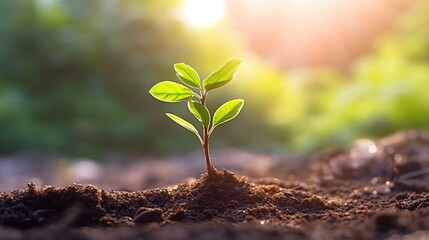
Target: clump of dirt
{"x":227,"y":197}
{"x":223,"y":196}
{"x":36,"y":206}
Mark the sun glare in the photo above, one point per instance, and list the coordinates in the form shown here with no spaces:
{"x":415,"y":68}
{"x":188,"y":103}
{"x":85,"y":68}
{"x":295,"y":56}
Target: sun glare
{"x":297,"y":33}
{"x":201,"y":14}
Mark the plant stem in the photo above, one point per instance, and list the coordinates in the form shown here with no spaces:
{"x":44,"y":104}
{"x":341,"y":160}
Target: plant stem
{"x":206,"y":150}
{"x":209,"y":166}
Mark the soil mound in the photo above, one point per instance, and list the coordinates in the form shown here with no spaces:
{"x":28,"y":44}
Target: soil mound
{"x":223,"y":196}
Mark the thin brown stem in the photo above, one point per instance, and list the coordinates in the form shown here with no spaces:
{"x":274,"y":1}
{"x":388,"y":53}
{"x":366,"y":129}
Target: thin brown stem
{"x":205,"y":143}
{"x":209,"y":166}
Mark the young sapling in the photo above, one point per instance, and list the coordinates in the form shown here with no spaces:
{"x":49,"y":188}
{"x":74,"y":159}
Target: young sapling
{"x":195,"y":92}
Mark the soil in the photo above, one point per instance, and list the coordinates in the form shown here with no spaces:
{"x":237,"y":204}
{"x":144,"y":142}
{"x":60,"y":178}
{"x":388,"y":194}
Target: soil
{"x":371,"y":191}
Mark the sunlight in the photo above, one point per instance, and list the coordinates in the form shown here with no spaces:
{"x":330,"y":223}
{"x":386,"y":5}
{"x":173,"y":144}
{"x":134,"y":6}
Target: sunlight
{"x":201,"y":14}
{"x":306,"y":4}
{"x":297,"y":33}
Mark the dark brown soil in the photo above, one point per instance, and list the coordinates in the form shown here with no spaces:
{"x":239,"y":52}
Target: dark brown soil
{"x":372,"y":191}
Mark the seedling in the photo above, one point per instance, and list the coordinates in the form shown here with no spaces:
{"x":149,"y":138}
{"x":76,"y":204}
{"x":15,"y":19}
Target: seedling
{"x":195,"y":92}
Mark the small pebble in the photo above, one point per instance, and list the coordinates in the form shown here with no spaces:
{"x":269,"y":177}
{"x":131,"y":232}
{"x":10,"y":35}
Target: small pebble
{"x":148,"y":215}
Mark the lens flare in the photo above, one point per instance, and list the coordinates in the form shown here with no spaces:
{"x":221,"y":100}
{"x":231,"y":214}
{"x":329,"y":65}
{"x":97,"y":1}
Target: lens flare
{"x":201,"y":14}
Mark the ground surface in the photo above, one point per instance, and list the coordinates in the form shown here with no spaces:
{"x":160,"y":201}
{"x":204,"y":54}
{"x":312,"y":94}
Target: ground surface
{"x":372,"y":191}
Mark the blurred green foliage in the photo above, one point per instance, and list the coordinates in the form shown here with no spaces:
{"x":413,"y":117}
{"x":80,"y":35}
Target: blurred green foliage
{"x":387,"y":90}
{"x":74,"y":77}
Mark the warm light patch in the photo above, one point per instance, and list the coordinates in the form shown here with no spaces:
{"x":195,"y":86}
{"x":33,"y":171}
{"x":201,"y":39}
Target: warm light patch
{"x":201,"y":14}
{"x":307,"y":4}
{"x":300,"y":33}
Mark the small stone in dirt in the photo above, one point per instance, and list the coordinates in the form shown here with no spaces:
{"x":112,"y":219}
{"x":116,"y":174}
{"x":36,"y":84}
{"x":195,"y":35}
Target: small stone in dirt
{"x":148,"y":215}
{"x":40,"y":215}
{"x":386,"y":221}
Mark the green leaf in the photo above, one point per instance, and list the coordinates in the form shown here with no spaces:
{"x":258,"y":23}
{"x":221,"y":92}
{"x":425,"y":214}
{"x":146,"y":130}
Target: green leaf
{"x":168,"y":91}
{"x":222,"y":76}
{"x":184,"y":124}
{"x":200,"y":112}
{"x":187,"y":75}
{"x":227,"y":111}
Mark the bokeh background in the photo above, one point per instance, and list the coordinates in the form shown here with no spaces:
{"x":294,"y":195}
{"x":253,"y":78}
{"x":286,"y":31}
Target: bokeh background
{"x":316,"y":74}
